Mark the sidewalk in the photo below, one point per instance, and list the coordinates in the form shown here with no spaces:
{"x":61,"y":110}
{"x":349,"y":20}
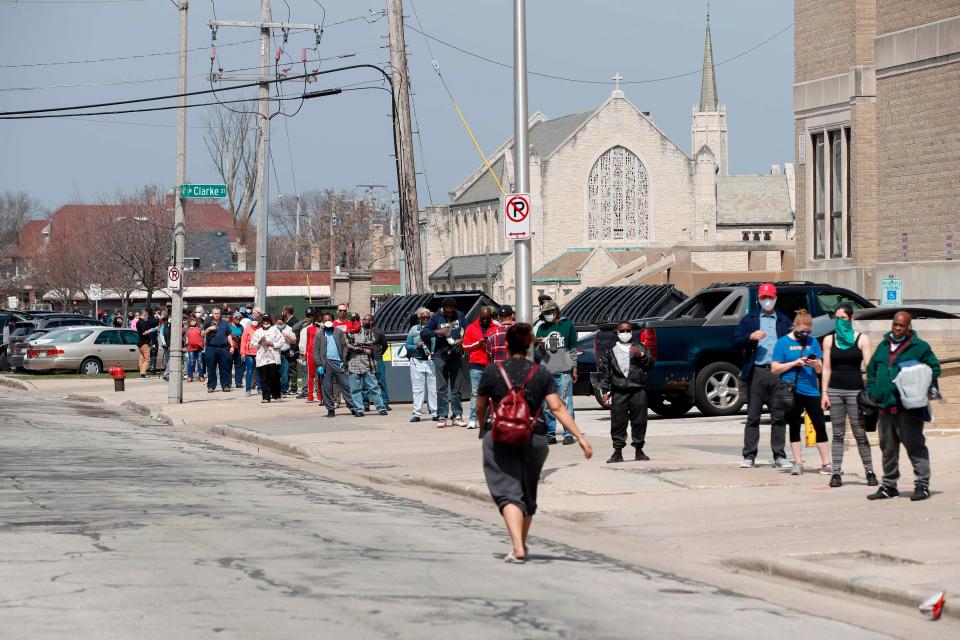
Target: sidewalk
{"x":689,"y":508}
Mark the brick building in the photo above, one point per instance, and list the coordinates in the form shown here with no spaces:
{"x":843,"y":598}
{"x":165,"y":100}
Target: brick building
{"x":876,"y":103}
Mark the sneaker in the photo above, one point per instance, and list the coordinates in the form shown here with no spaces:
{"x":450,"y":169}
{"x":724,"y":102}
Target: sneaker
{"x":415,"y":419}
{"x":569,"y":439}
{"x":209,"y":390}
{"x":836,"y":480}
{"x":551,"y":439}
{"x":441,"y":424}
{"x":796,"y":469}
{"x":472,"y":424}
{"x":640,"y":455}
{"x":783,"y":464}
{"x":143,"y":376}
{"x":226,"y":389}
{"x":331,"y":413}
{"x":357,"y":414}
{"x":383,"y":412}
{"x":249,"y":393}
{"x":747,"y":463}
{"x":616,"y":457}
{"x":826,"y":470}
{"x":920,"y":492}
{"x":872,"y":479}
{"x":388,"y":407}
{"x":458,"y":421}
{"x":883,"y":493}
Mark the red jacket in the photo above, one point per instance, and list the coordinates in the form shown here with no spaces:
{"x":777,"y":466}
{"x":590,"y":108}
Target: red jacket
{"x":472,"y":342}
{"x":348,"y":326}
{"x":311,"y":333}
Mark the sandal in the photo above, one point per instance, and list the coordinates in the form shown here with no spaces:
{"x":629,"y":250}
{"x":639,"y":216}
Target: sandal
{"x":512,"y":559}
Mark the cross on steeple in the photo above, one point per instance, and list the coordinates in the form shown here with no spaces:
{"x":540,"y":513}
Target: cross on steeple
{"x":616,"y":81}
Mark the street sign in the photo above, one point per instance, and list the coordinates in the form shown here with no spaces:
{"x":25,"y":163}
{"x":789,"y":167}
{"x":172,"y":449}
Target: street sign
{"x":12,"y":302}
{"x":203,"y":191}
{"x":891,"y":292}
{"x":174,"y":282}
{"x":516,"y":216}
{"x":96,"y":292}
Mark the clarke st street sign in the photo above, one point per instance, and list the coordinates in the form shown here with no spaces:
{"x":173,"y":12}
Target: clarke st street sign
{"x":203,"y":191}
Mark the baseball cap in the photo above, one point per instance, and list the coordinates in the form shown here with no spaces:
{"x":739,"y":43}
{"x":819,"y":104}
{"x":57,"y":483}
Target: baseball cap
{"x":543,"y":297}
{"x":549,"y":305}
{"x":237,"y":314}
{"x":767,"y":290}
{"x":505,"y":311}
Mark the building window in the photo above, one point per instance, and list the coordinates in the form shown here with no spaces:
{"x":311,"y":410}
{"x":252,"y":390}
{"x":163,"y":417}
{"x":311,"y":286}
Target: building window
{"x":849,"y":226}
{"x":617,"y":197}
{"x":746,"y":236}
{"x":767,"y":236}
{"x":819,"y":196}
{"x":836,"y":194}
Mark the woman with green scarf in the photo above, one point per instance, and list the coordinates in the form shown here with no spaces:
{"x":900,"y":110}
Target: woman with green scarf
{"x":845,"y":354}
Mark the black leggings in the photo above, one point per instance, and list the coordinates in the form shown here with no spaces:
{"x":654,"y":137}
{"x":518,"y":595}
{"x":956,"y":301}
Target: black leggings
{"x":795,"y":418}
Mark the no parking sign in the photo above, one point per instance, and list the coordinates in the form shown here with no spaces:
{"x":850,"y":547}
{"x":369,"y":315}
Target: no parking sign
{"x":516,"y":216}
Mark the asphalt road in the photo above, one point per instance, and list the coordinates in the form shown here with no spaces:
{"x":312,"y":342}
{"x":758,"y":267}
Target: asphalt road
{"x":111,"y":527}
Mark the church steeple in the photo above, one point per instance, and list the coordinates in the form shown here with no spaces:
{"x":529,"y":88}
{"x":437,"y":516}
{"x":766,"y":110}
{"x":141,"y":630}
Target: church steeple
{"x":708,"y":85}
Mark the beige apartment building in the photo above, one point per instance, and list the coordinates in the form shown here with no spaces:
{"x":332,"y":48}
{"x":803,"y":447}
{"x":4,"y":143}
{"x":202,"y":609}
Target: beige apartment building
{"x":877,"y":113}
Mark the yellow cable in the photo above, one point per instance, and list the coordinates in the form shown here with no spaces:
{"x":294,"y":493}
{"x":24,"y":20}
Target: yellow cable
{"x":479,"y":150}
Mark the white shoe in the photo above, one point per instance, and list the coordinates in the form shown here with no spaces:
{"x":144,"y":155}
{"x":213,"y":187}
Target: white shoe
{"x":747,"y":463}
{"x":472,"y":424}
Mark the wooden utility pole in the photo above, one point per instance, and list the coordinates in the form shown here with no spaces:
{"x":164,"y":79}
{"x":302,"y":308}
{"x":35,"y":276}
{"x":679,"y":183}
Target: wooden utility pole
{"x":409,"y":209}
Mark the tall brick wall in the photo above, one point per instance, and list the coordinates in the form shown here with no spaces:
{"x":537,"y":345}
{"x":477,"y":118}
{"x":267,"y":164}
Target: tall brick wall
{"x":863,"y":167}
{"x":822,"y":43}
{"x":864,"y":31}
{"x":801,"y":226}
{"x":919,"y":160}
{"x":895,"y":15}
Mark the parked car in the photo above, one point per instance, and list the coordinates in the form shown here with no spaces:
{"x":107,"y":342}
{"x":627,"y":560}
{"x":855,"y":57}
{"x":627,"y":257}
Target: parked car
{"x":7,"y":318}
{"x":88,"y":349}
{"x":47,"y":322}
{"x":693,"y":344}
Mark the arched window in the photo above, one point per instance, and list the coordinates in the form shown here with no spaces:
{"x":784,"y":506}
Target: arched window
{"x":617,"y":198}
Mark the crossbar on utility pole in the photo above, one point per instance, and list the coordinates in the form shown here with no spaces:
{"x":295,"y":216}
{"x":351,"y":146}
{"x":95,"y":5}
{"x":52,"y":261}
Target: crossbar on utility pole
{"x":175,"y":382}
{"x":521,"y":159}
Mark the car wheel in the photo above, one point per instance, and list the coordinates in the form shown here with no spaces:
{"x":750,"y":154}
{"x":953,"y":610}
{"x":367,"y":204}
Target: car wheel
{"x":91,"y":367}
{"x":670,"y":407}
{"x":718,"y":389}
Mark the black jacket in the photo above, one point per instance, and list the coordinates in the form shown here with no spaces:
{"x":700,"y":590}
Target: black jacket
{"x":611,"y":377}
{"x":747,"y":347}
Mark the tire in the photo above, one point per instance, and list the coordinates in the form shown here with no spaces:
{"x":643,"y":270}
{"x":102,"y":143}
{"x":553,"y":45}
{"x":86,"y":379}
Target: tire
{"x":670,"y":408}
{"x":717,"y":390}
{"x":91,"y":366}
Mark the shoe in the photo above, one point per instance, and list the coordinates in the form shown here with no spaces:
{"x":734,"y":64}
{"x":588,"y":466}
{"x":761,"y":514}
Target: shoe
{"x":616,"y":457}
{"x":747,"y":463}
{"x":872,"y":479}
{"x":227,"y":389}
{"x":367,"y":409}
{"x":388,"y":407}
{"x":441,"y":424}
{"x":415,"y":419}
{"x":783,"y":464}
{"x":383,"y":412}
{"x":265,"y":401}
{"x":331,"y":413}
{"x":249,"y":393}
{"x":189,"y":379}
{"x":883,"y":493}
{"x":209,"y":390}
{"x":568,"y":439}
{"x":640,"y":455}
{"x":310,"y":401}
{"x":472,"y":424}
{"x":826,"y":470}
{"x":796,"y":469}
{"x":357,"y":414}
{"x":551,"y":439}
{"x":458,"y":421}
{"x":920,"y":492}
{"x":143,"y":376}
{"x":836,"y":480}
{"x":302,"y":394}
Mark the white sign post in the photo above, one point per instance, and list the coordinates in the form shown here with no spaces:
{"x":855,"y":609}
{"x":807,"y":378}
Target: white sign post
{"x":174,"y":281}
{"x":96,"y":294}
{"x":12,"y":302}
{"x":516,"y":216}
{"x":891,"y":292}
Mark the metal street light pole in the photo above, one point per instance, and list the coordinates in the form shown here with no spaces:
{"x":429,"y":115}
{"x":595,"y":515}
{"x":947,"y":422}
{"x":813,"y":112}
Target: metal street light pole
{"x":175,"y":383}
{"x":263,"y":186}
{"x":521,"y":158}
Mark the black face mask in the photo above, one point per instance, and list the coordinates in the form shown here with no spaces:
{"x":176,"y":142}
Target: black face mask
{"x":484,"y":323}
{"x":802,"y":336}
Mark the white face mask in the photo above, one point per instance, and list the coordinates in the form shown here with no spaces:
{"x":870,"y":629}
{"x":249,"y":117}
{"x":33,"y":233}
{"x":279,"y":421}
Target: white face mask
{"x":549,"y":317}
{"x":328,"y":324}
{"x":626,"y":336}
{"x":767,"y":304}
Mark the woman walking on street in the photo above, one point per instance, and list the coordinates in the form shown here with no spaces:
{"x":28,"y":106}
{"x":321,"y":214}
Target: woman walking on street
{"x":796,"y":359}
{"x":267,"y":339}
{"x":512,"y":472}
{"x":845,"y":354}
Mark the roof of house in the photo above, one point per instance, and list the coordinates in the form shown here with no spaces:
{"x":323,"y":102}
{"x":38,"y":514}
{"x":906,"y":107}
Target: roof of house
{"x":212,"y":247}
{"x":485,"y":188}
{"x":565,"y":267}
{"x":466,"y":266}
{"x":29,"y":238}
{"x":624,"y":256}
{"x":753,"y":200}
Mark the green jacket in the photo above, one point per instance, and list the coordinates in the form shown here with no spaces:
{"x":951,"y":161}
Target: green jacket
{"x":564,"y":359}
{"x":881,"y":372}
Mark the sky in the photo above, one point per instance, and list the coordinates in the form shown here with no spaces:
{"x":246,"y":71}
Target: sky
{"x":345,"y":140}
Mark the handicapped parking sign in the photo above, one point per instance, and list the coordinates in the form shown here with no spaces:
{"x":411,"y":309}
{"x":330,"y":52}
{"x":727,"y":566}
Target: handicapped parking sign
{"x":891,"y":292}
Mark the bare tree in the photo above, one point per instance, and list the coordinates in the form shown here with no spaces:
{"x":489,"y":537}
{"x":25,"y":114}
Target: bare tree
{"x":232,"y":144}
{"x":16,"y":208}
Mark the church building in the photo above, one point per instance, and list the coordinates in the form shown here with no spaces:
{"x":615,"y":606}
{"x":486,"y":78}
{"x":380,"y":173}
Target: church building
{"x":608,"y":190}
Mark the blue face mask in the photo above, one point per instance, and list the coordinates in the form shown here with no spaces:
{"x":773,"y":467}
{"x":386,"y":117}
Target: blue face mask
{"x":897,"y":340}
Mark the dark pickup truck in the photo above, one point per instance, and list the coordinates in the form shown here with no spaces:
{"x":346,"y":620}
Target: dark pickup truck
{"x":693,"y":344}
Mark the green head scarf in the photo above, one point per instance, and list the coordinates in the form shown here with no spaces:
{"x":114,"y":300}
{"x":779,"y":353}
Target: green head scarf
{"x":845,"y":336}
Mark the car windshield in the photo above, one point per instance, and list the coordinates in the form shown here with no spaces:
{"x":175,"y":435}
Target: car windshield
{"x":36,"y":334}
{"x":68,"y":336}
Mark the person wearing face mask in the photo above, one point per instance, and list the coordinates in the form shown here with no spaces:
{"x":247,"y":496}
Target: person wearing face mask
{"x":475,"y":343}
{"x":249,"y":353}
{"x":899,"y":425}
{"x":445,"y":331}
{"x":194,"y":347}
{"x":267,"y":339}
{"x":556,"y":350}
{"x":623,"y":370}
{"x":844,"y":354}
{"x":755,"y":337}
{"x":330,"y":353}
{"x":361,"y":349}
{"x":797,"y":359}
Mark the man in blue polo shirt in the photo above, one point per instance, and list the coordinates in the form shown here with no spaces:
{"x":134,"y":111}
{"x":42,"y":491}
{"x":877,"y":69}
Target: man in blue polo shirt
{"x":220,"y":348}
{"x":755,"y":338}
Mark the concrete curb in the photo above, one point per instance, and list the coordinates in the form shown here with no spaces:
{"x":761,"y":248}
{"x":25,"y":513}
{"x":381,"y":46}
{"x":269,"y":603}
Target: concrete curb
{"x":147,"y":410}
{"x":447,"y":487}
{"x":811,"y":574}
{"x":19,"y":385}
{"x":261,"y":440}
{"x":81,"y":397}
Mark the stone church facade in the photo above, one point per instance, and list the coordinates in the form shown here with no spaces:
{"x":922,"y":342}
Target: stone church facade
{"x":606,"y":185}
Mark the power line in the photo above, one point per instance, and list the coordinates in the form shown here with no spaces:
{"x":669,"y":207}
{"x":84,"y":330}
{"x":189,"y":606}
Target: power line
{"x":29,"y":2}
{"x":587,"y":81}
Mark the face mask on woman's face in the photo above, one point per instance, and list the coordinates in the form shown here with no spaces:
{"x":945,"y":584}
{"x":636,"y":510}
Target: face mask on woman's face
{"x":549,"y":317}
{"x":802,"y":334}
{"x":328,"y":324}
{"x":192,"y":323}
{"x":255,"y":323}
{"x":624,"y":336}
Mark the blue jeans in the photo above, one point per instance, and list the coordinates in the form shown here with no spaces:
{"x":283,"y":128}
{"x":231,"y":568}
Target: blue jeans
{"x":381,"y":382}
{"x":476,"y":372}
{"x":365,"y":384}
{"x":250,"y":368}
{"x":237,"y":363}
{"x":564,"y":382}
{"x":201,"y":363}
{"x":194,"y":360}
{"x":284,"y":372}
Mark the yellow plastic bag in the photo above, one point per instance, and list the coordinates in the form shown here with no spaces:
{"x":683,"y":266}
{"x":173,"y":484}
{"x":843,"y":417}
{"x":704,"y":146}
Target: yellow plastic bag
{"x":811,"y":440}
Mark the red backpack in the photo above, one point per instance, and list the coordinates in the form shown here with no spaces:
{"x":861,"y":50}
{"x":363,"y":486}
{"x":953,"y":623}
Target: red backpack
{"x":512,"y":423}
